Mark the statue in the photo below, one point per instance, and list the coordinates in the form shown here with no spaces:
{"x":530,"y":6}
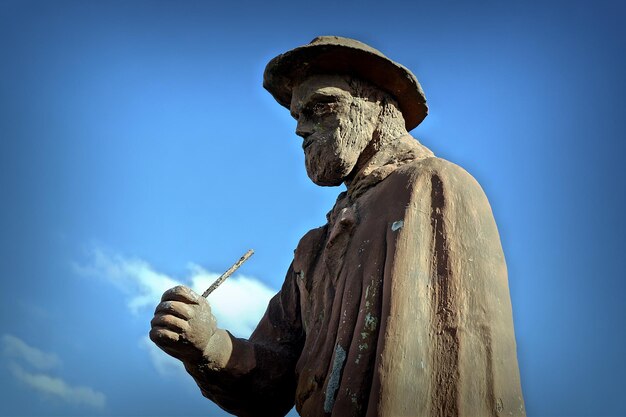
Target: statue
{"x":399,"y":305}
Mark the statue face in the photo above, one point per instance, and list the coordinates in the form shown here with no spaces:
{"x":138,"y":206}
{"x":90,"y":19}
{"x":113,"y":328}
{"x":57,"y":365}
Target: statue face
{"x":335,"y":125}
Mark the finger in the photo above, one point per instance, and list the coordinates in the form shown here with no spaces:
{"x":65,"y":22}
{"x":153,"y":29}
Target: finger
{"x":163,"y":336}
{"x":175,"y":308}
{"x":182,"y":294}
{"x":170,"y":322}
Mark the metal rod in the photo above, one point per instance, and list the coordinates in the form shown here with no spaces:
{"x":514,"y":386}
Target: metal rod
{"x":228,"y":273}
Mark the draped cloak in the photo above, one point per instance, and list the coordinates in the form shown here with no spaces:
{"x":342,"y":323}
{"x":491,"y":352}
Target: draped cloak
{"x":398,"y":306}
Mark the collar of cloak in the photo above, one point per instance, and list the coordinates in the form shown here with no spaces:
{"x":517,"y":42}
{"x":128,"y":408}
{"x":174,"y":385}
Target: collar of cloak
{"x":402,"y":151}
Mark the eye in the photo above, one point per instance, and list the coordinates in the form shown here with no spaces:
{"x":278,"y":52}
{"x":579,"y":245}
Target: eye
{"x":323,"y":108}
{"x":320,"y":108}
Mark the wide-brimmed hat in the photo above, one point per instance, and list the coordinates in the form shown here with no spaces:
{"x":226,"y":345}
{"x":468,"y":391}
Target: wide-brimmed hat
{"x":337,"y":55}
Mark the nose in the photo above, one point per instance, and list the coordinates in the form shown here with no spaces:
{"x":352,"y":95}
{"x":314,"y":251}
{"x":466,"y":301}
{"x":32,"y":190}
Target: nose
{"x":303,"y":129}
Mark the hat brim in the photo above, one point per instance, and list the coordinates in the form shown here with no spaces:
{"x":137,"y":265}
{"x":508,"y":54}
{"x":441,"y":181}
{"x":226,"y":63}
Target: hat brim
{"x":287,"y":70}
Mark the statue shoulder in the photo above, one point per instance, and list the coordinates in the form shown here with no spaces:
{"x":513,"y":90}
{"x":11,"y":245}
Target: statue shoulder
{"x":449,"y":175}
{"x":442,"y":189}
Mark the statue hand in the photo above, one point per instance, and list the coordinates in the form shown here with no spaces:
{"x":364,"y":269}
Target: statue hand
{"x":183,"y":324}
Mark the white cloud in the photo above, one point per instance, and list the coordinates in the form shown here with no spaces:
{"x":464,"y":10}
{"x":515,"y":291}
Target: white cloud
{"x":238,"y":304}
{"x":15,"y":347}
{"x":16,"y":350}
{"x":56,"y":387}
{"x":133,"y":276}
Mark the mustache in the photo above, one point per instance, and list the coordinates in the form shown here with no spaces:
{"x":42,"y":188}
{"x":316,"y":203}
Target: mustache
{"x":322,"y":139}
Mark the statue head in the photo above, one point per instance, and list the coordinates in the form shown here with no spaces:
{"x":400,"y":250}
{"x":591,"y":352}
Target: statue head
{"x":343,"y":121}
{"x":348,"y":99}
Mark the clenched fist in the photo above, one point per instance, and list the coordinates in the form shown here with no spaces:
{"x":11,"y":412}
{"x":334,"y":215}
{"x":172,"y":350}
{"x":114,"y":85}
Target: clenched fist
{"x":183,"y":324}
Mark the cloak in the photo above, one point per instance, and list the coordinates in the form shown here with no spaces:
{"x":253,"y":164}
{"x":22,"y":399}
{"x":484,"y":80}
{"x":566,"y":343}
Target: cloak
{"x":398,"y":306}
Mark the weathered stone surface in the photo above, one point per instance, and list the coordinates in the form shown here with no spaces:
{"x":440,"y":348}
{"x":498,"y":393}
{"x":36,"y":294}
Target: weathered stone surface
{"x":399,"y":305}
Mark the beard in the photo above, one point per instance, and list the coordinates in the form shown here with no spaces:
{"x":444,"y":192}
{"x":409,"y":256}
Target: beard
{"x":328,"y":161}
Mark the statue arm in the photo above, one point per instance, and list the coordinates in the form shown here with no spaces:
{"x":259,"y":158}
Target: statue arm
{"x":255,"y":376}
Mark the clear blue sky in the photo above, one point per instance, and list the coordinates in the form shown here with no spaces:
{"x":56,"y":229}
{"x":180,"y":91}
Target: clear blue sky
{"x":138,"y":149}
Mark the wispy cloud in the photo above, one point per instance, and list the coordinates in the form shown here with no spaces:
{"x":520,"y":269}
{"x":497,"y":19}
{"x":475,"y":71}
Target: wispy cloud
{"x":133,"y":276}
{"x":16,"y":348}
{"x":16,"y":351}
{"x":238,"y":304}
{"x":56,"y":387}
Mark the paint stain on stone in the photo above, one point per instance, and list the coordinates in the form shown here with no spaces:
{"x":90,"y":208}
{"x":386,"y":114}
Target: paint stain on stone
{"x":397,"y":225}
{"x":335,"y":375}
{"x":371,"y":322}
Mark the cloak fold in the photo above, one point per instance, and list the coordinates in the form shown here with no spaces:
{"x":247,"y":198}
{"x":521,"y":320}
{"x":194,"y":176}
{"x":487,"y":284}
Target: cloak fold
{"x":448,"y":277}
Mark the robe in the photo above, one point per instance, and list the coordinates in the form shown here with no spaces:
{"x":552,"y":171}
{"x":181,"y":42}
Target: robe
{"x":398,"y":306}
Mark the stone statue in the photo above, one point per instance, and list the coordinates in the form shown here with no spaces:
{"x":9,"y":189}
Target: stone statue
{"x":399,"y":305}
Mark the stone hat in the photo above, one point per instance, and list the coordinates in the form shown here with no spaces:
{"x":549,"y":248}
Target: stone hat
{"x":337,"y":55}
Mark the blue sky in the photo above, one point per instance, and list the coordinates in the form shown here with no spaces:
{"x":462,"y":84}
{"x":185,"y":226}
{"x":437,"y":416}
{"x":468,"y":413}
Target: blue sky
{"x":138,"y":149}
